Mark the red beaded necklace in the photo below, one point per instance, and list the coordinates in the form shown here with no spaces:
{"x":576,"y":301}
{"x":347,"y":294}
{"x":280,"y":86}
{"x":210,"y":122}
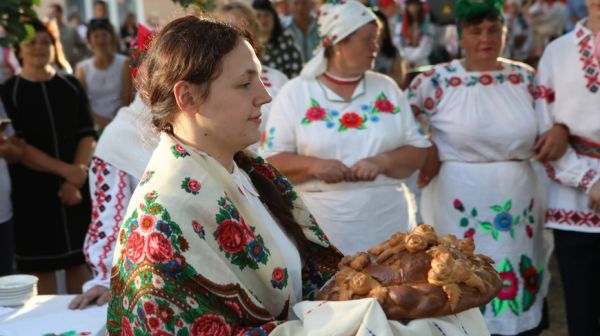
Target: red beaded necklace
{"x":342,"y":81}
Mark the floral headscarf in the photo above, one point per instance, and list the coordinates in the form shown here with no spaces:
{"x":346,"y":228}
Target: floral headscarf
{"x":337,"y":20}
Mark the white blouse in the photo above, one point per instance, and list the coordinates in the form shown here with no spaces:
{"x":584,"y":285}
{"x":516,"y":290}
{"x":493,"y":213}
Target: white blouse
{"x":477,"y":116}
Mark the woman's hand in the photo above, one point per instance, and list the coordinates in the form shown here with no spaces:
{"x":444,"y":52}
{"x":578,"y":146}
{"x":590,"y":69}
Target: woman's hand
{"x":330,"y":171}
{"x":69,"y":194}
{"x":12,"y":149}
{"x":431,"y":167}
{"x":594,"y":197}
{"x":75,"y":174}
{"x":553,"y":144}
{"x":367,"y":169}
{"x":96,"y":293}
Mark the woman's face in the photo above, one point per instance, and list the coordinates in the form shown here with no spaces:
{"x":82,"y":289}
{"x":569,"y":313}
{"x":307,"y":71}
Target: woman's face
{"x":232,"y":111}
{"x":38,"y":52}
{"x":482,"y":42}
{"x":593,"y":8}
{"x":266,"y":20}
{"x":357,"y":53}
{"x":413,"y":9}
{"x":101,"y":40}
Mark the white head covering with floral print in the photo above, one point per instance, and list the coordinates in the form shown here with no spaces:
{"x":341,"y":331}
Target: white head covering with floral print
{"x":337,"y":20}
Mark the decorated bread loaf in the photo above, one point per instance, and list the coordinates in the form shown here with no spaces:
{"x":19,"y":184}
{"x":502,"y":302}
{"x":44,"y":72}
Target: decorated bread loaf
{"x":417,"y":275}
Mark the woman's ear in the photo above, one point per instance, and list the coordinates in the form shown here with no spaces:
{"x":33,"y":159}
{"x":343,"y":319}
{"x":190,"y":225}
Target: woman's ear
{"x":185,"y":97}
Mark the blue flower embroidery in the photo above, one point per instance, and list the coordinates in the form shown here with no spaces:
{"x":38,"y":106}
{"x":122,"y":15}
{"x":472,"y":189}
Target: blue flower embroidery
{"x":503,"y":221}
{"x":172,"y":268}
{"x":164,"y":227}
{"x":256,"y":250}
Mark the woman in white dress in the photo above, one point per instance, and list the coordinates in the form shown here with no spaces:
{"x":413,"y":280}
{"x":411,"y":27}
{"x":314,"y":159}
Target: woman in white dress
{"x":345,"y":135}
{"x":479,"y":113}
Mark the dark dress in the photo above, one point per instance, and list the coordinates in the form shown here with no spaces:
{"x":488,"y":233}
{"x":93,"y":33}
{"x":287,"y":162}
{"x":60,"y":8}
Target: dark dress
{"x":52,"y":116}
{"x":283,"y":55}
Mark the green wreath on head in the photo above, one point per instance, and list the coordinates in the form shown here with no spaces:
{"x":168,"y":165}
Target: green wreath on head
{"x":465,"y":10}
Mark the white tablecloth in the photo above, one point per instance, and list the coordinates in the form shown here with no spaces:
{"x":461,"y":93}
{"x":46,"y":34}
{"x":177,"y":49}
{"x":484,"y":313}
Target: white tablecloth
{"x":49,"y":314}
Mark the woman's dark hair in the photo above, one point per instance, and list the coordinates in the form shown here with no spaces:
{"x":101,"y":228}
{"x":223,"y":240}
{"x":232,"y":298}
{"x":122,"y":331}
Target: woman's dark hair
{"x":192,"y":49}
{"x":100,"y":24}
{"x":387,"y":48}
{"x":266,"y":5}
{"x":420,"y":16}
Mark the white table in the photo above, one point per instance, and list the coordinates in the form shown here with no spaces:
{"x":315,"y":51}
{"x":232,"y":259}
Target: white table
{"x":49,"y":314}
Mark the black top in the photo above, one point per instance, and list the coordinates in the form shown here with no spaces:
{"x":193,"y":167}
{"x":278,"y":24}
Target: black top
{"x":284,"y":56}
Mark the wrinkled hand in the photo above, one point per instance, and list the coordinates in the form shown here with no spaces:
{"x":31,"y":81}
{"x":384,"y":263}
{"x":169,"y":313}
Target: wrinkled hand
{"x":12,"y":149}
{"x":553,"y":144}
{"x":367,"y":169}
{"x":76,"y":175}
{"x":69,"y":194}
{"x":96,"y":293}
{"x":594,"y":197}
{"x":330,"y":171}
{"x":430,"y":169}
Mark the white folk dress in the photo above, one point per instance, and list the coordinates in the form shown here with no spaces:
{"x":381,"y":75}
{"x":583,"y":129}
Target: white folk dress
{"x":309,"y":119}
{"x":578,"y":107}
{"x":484,"y":126}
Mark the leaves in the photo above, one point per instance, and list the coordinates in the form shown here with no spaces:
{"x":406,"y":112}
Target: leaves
{"x":499,"y":306}
{"x":464,"y":222}
{"x":507,"y":205}
{"x":524,"y":263}
{"x":12,"y":13}
{"x":514,"y":306}
{"x":505,"y":266}
{"x":496,"y":208}
{"x":305,"y":121}
{"x":474,"y":212}
{"x":528,"y":300}
{"x":531,"y":220}
{"x":485,"y":226}
{"x":512,"y":232}
{"x":495,"y":234}
{"x":516,"y":219}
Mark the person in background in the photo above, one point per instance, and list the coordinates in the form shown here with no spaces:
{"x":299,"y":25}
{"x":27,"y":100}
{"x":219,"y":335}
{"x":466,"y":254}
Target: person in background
{"x":479,"y":180}
{"x":114,"y":173}
{"x":283,"y":9}
{"x":61,"y":63}
{"x":9,"y":64}
{"x":416,"y":42}
{"x":73,"y":45}
{"x":280,"y":50}
{"x":548,"y":19}
{"x":51,"y":203}
{"x":100,"y":10}
{"x":128,"y":31}
{"x":302,"y":26}
{"x":75,"y":22}
{"x":568,"y":92}
{"x":576,"y":11}
{"x":519,"y":36}
{"x":105,"y":76}
{"x":346,"y":136}
{"x":11,"y":151}
{"x":388,"y":59}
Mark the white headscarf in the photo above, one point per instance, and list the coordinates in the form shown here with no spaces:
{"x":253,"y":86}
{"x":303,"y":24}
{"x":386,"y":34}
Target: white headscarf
{"x":337,"y":20}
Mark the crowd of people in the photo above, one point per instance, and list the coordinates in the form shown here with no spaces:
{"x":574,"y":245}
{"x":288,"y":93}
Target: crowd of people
{"x":264,"y":141}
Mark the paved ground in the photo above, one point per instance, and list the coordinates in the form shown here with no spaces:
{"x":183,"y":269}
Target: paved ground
{"x":556,"y":303}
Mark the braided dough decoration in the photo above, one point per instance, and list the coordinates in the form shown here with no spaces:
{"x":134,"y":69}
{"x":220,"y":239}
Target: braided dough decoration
{"x":417,"y":275}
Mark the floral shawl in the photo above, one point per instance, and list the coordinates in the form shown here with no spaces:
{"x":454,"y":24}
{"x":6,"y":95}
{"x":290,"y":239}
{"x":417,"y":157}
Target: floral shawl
{"x":193,"y":258}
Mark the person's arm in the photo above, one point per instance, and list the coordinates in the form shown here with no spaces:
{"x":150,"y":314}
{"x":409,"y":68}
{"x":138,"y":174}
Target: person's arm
{"x":301,"y":168}
{"x":414,"y":54}
{"x":399,"y":163}
{"x":36,"y":159}
{"x":111,"y":189}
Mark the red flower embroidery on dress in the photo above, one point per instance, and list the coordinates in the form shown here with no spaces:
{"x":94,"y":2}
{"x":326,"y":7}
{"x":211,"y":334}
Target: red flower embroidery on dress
{"x":429,"y":103}
{"x":135,"y":247}
{"x":486,"y":79}
{"x":510,"y":286}
{"x":126,"y":329}
{"x":210,"y":324}
{"x":315,"y":113}
{"x":235,"y":307}
{"x":265,"y":171}
{"x":158,"y":248}
{"x":429,"y":73}
{"x":150,"y":307}
{"x":193,"y":185}
{"x":455,"y":81}
{"x":278,"y":274}
{"x":231,"y":236}
{"x":147,"y":222}
{"x":384,"y":105}
{"x":351,"y":120}
{"x":154,"y":323}
{"x":530,"y":277}
{"x":514,"y":78}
